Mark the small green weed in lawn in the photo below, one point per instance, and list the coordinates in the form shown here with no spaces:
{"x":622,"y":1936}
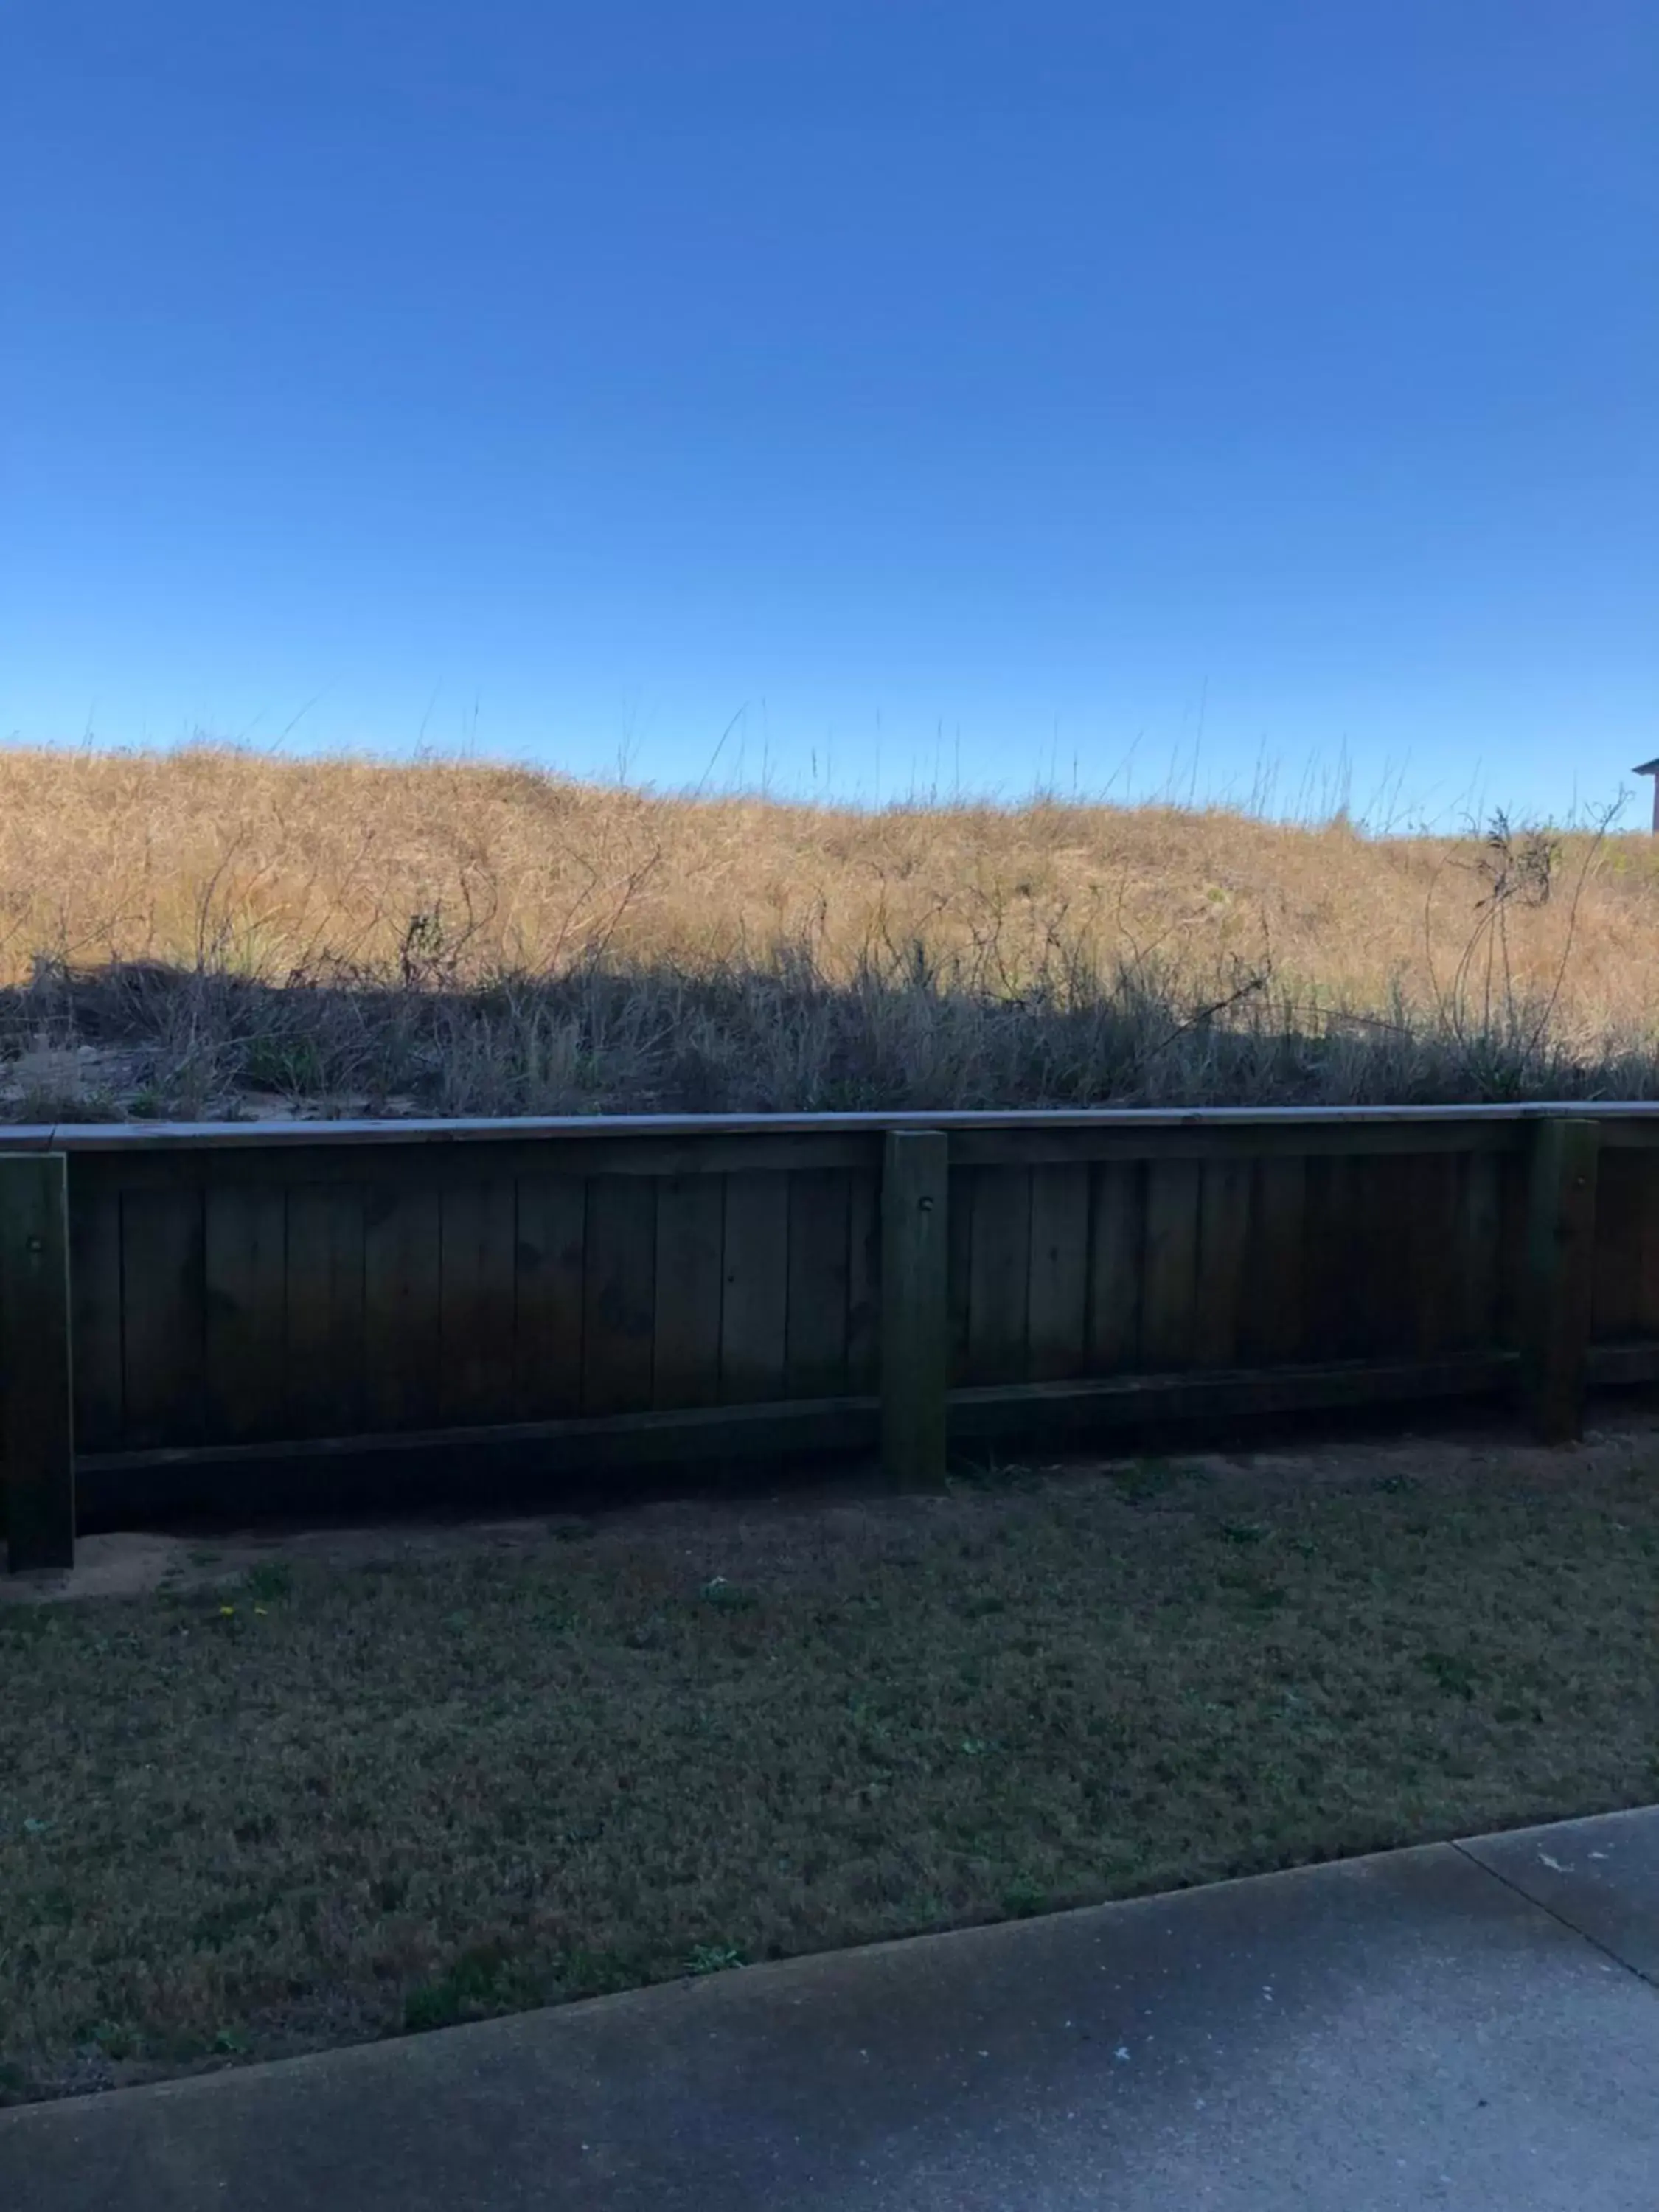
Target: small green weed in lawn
{"x":271,"y":1580}
{"x":1024,"y":1896}
{"x":715,"y":1959}
{"x":480,"y":1980}
{"x":108,"y":2038}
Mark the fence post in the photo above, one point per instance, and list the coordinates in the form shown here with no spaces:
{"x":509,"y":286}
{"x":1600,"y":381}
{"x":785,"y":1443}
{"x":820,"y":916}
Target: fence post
{"x":1560,"y":1275}
{"x":915,"y":1330}
{"x":37,"y":1445}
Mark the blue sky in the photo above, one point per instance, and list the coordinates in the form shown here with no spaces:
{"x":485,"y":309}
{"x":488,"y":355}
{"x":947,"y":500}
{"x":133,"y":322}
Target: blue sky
{"x":1146,"y":396}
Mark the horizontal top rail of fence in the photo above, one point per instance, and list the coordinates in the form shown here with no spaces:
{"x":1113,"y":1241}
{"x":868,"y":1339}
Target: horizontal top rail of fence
{"x":151,"y":1136}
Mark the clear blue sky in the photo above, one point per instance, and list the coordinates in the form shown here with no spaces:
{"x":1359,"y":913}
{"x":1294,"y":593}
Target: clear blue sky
{"x":943,"y":391}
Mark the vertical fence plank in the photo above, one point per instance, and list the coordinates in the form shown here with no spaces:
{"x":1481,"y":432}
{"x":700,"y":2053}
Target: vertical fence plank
{"x":1391,"y":1192}
{"x":550,"y":1243}
{"x":245,"y":1266}
{"x":162,"y":1326}
{"x":1273,"y":1323}
{"x":1360,"y":1260}
{"x":1058,"y":1310}
{"x":1480,"y":1231}
{"x":478,"y":1233}
{"x":1327,"y":1258}
{"x":863,"y":1281}
{"x":1561,"y":1229}
{"x":1617,"y":1294}
{"x":1000,"y":1273}
{"x":37,"y":1408}
{"x":325,"y":1309}
{"x":959,"y":1271}
{"x":1223,"y":1224}
{"x":691,"y":1270}
{"x":1117,"y":1232}
{"x":1647,"y":1291}
{"x":915,"y":1307}
{"x":1169,"y":1262}
{"x":95,"y":1204}
{"x":1438,"y":1219}
{"x":819,"y":1272}
{"x":754,"y":1305}
{"x":619,"y":1315}
{"x":402,"y":1276}
{"x":1514,"y":1207}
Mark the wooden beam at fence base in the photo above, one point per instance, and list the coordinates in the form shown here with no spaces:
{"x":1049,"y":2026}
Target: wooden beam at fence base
{"x":37,"y":1440}
{"x":163,"y":1477}
{"x":915,"y":1306}
{"x":1614,"y":1367}
{"x":1560,"y":1276}
{"x":1132,"y":1402}
{"x":256,"y":1478}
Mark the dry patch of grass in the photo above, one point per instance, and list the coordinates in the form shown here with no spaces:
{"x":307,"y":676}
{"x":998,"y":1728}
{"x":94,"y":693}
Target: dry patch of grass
{"x":205,"y":935}
{"x":207,"y":853}
{"x":345,"y":1797}
{"x":193,"y":933}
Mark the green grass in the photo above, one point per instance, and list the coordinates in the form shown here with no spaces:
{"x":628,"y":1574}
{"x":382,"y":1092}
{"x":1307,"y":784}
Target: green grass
{"x":341,"y":1802}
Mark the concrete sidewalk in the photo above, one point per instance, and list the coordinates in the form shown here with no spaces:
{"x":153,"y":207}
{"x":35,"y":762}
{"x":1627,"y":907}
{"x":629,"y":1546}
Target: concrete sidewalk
{"x":1472,"y":2026}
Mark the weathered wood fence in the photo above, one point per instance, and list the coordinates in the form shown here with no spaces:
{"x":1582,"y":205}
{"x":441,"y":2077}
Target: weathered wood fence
{"x":176,"y":1299}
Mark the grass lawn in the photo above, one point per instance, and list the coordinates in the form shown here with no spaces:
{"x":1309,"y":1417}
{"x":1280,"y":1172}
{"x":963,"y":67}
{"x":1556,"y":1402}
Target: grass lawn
{"x":355,"y":1791}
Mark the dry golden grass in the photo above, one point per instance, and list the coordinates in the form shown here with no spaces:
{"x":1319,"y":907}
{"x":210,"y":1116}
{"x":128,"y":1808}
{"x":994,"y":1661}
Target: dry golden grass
{"x":206,"y":853}
{"x":670,"y":951}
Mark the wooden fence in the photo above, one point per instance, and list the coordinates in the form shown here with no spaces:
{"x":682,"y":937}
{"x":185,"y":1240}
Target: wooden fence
{"x":184,"y":1305}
